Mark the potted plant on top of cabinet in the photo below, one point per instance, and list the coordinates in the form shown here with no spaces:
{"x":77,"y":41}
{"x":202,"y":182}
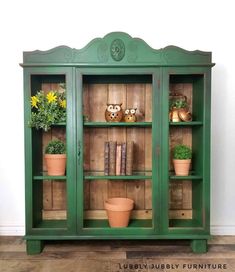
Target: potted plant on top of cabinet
{"x":55,"y":158}
{"x":182,"y":155}
{"x":47,"y":109}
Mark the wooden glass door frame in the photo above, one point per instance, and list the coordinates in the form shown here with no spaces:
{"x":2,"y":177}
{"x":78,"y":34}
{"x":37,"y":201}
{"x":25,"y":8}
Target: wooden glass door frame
{"x":205,"y":107}
{"x":124,"y":233}
{"x":70,"y":138}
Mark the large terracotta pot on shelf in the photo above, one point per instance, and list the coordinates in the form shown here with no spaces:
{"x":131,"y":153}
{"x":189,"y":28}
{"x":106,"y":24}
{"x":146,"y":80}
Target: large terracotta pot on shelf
{"x":55,"y":164}
{"x":119,"y":210}
{"x":181,"y":167}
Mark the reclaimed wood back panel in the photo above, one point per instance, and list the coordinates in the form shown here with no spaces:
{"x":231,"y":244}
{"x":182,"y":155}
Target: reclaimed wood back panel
{"x":95,"y":98}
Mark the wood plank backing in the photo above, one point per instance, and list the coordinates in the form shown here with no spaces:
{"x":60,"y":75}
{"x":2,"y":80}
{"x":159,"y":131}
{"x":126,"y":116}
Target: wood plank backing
{"x":117,"y":95}
{"x":54,"y":193}
{"x":136,"y":99}
{"x":148,"y":145}
{"x":180,"y":192}
{"x":86,"y":146}
{"x":97,"y":102}
{"x":101,"y":214}
{"x":95,"y":98}
{"x":47,"y":186}
{"x":59,"y":198}
{"x":98,"y":95}
{"x":59,"y":195}
{"x":98,"y":194}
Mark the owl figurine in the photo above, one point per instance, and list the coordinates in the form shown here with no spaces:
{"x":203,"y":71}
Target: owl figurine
{"x":130,"y":115}
{"x":114,"y":113}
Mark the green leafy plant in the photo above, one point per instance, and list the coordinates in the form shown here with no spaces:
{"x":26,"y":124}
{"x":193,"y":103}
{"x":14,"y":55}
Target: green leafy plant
{"x":55,"y":147}
{"x":178,"y":104}
{"x":182,"y":152}
{"x":47,"y":109}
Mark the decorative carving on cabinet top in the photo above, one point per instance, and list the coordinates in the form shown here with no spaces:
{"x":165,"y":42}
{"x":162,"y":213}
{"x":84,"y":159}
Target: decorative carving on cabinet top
{"x":120,"y":49}
{"x":117,"y":49}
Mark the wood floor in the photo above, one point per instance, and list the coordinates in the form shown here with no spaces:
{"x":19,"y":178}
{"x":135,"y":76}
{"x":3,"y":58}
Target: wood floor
{"x":118,"y":256}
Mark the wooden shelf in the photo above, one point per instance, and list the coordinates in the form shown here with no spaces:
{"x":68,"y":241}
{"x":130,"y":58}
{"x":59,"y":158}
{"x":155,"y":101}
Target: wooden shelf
{"x":117,"y":124}
{"x":59,"y":124}
{"x":44,"y":176}
{"x":184,"y":223}
{"x":193,"y":123}
{"x":52,"y":224}
{"x":190,"y":177}
{"x":103,"y":223}
{"x":100,"y":175}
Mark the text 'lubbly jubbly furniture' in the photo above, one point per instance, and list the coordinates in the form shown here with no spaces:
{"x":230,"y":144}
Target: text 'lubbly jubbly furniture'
{"x":169,"y":93}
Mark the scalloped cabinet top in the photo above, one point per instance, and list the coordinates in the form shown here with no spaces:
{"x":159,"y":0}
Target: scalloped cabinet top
{"x":117,"y":49}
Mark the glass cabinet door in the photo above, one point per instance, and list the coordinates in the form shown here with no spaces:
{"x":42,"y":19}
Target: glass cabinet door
{"x":187,"y":132}
{"x":117,"y":157}
{"x":49,"y":195}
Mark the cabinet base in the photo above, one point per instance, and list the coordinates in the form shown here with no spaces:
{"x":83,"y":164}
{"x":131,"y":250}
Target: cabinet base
{"x":34,"y":246}
{"x":199,"y":246}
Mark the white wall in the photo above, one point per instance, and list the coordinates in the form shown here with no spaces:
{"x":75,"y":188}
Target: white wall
{"x":28,"y":25}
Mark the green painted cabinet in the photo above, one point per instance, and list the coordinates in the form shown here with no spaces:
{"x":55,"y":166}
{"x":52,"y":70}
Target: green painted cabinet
{"x":119,"y":69}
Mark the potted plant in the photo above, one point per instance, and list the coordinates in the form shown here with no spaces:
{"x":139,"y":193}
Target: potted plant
{"x":179,"y":109}
{"x":47,"y":109}
{"x":119,"y":210}
{"x":55,"y":158}
{"x":182,"y":155}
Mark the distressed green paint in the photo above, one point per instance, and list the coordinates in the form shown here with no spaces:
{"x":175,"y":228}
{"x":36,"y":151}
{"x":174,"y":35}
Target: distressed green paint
{"x":34,"y":246}
{"x":117,"y":124}
{"x":97,"y":52}
{"x":119,"y":58}
{"x":199,"y":246}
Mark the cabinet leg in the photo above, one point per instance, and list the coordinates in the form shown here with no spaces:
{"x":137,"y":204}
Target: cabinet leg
{"x":199,"y":246}
{"x":34,"y":246}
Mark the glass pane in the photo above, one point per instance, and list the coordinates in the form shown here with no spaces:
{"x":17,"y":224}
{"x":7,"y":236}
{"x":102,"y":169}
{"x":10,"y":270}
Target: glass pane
{"x":48,"y":102}
{"x":118,"y":146}
{"x":186,"y":136}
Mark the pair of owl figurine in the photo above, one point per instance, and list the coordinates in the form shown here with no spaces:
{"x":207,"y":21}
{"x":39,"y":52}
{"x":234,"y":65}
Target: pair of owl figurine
{"x":114,"y":113}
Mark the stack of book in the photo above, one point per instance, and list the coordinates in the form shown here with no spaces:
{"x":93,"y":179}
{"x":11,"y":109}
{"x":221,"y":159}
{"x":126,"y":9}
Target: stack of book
{"x":118,"y":158}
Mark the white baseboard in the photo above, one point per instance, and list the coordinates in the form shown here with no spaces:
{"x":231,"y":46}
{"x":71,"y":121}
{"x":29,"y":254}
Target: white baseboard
{"x":223,"y":229}
{"x":19,"y":230}
{"x":12,"y":230}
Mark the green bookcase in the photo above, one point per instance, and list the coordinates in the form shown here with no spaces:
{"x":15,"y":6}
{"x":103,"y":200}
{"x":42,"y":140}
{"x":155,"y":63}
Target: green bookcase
{"x":119,"y":69}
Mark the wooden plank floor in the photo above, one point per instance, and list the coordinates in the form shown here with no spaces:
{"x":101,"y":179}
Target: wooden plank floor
{"x":117,"y":256}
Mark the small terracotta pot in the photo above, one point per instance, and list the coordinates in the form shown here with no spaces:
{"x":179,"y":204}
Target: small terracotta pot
{"x":119,"y":210}
{"x":181,"y":167}
{"x":55,"y":164}
{"x":175,"y":115}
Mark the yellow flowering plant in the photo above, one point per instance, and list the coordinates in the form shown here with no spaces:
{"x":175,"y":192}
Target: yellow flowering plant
{"x":47,"y":109}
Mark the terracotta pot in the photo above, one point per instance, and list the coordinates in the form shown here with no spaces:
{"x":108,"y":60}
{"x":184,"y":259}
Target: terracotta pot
{"x":185,"y":115}
{"x":55,"y":164}
{"x":119,"y":210}
{"x":175,"y":115}
{"x":181,"y":167}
